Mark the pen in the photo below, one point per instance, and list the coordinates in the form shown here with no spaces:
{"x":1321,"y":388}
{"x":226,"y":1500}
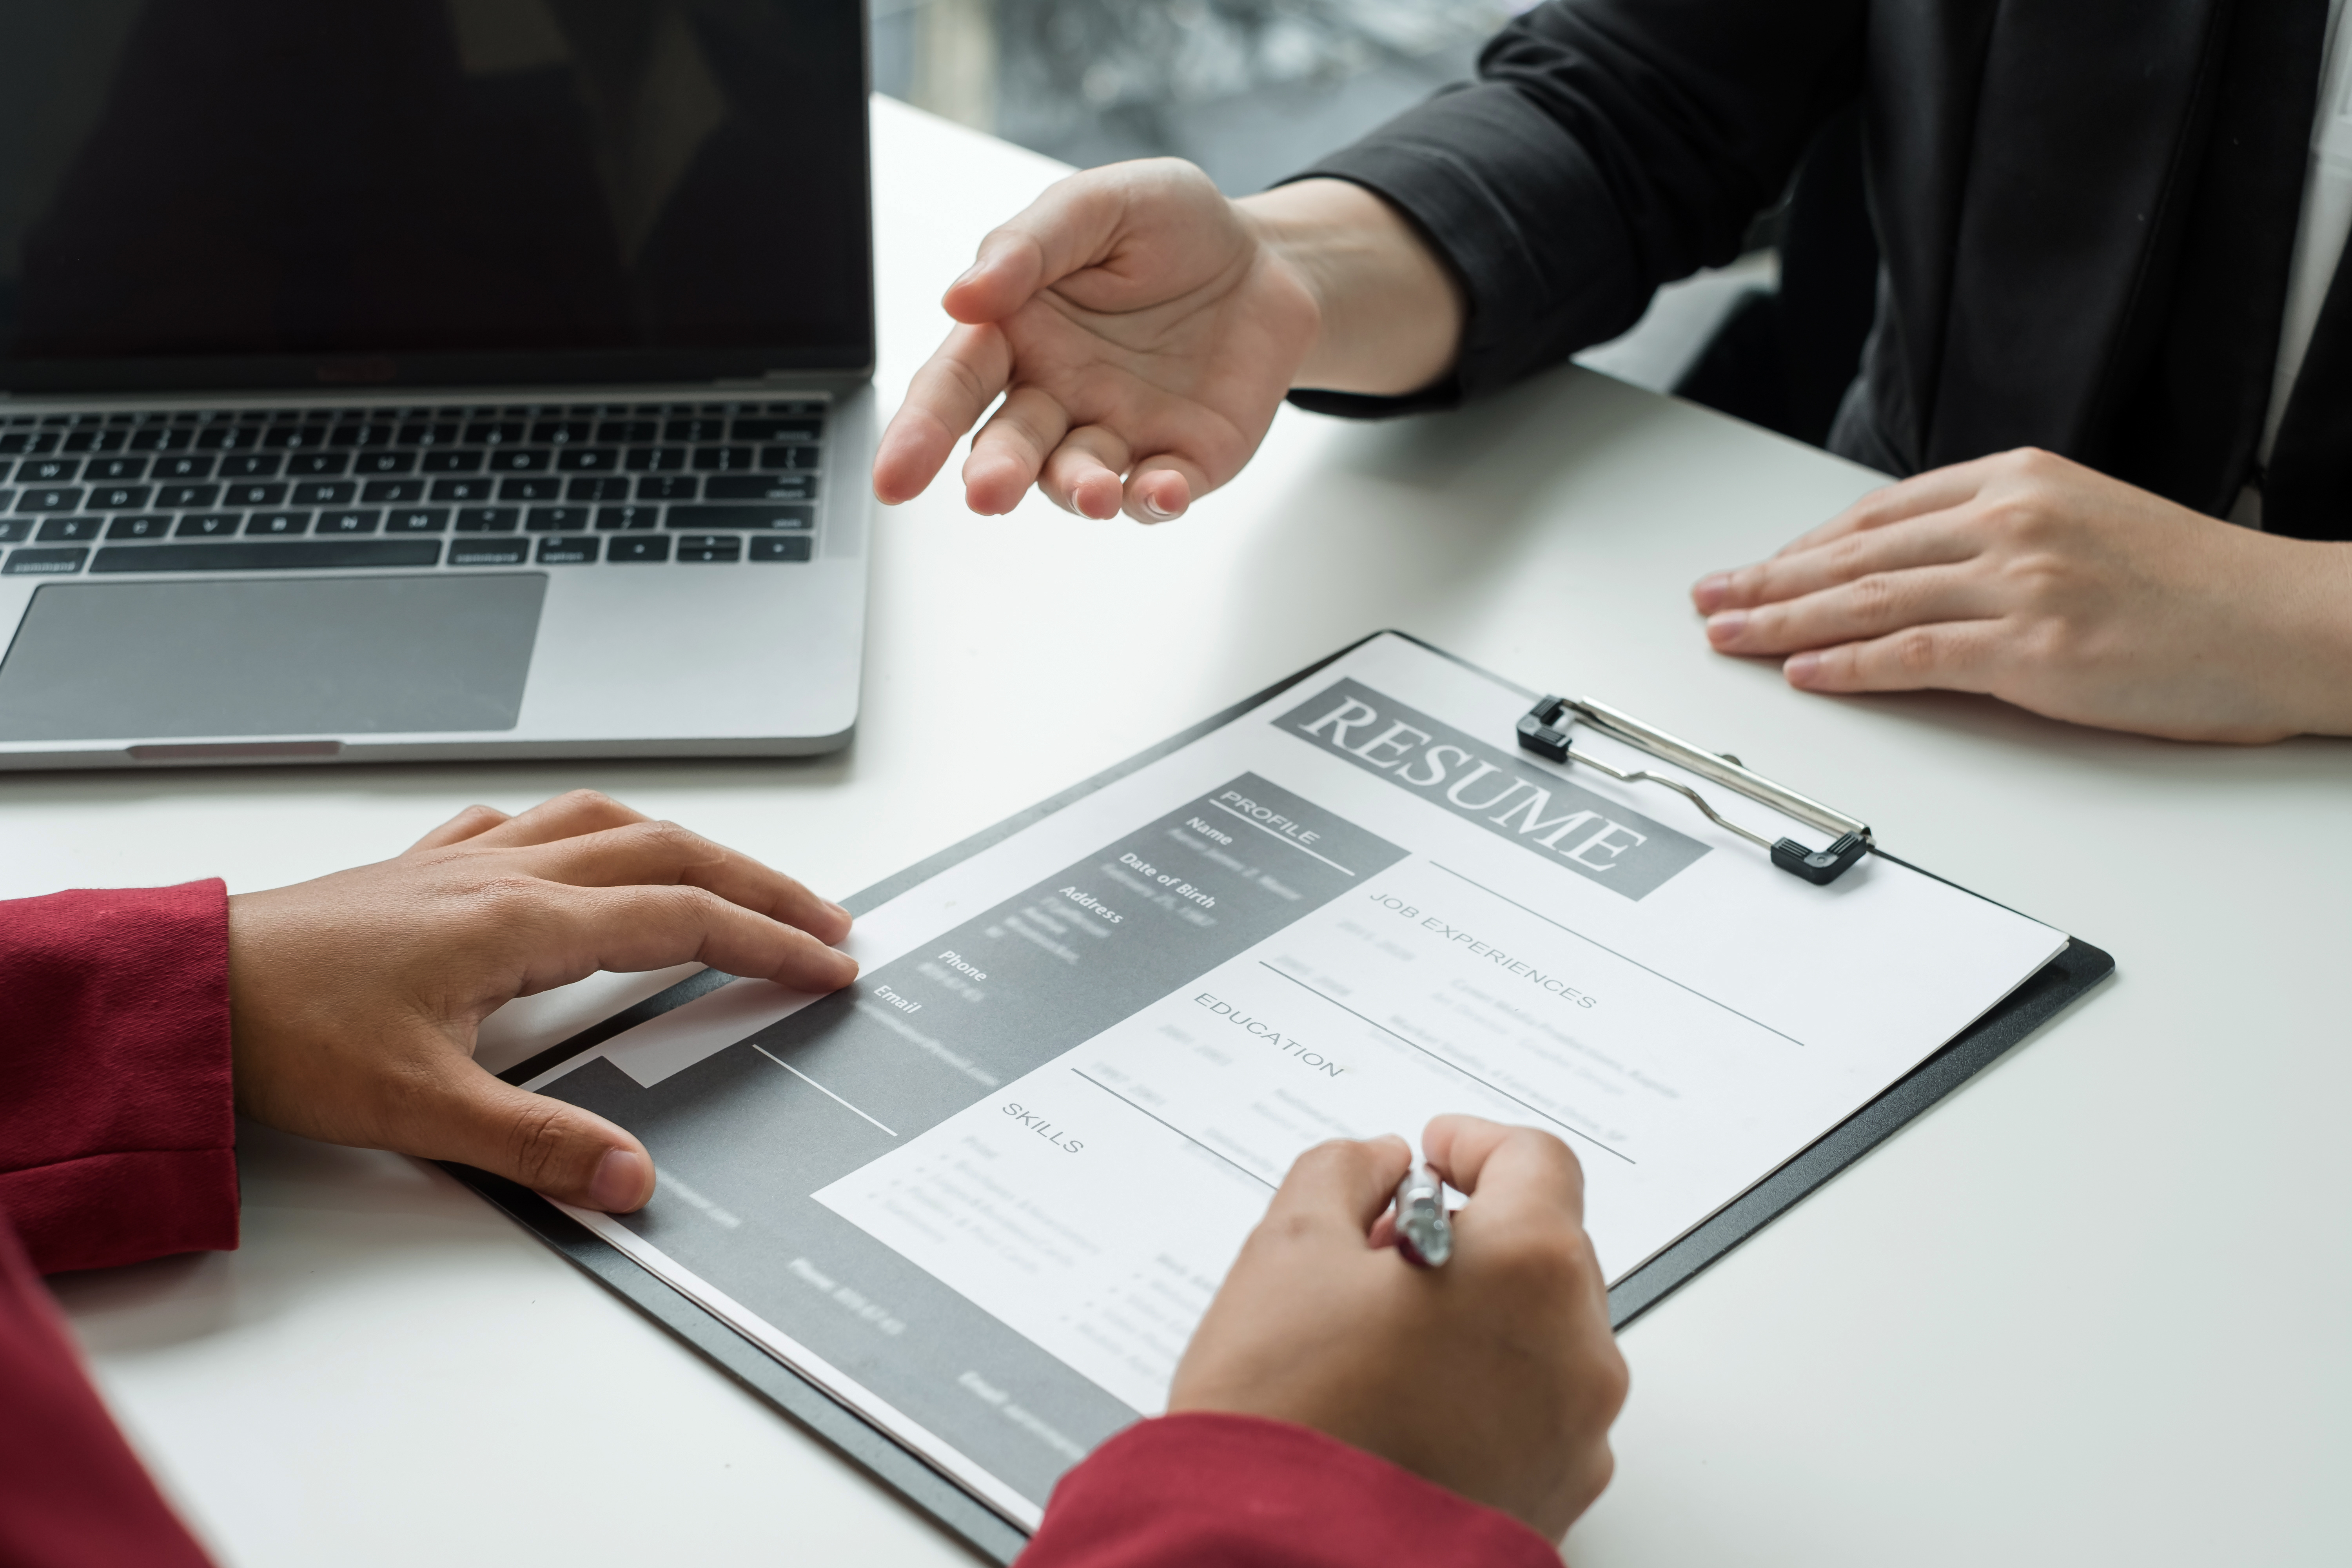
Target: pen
{"x":1424,"y":1234}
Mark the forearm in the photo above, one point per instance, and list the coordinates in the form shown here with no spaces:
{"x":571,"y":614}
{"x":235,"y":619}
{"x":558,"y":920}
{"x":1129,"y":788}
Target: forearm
{"x":1390,"y":312}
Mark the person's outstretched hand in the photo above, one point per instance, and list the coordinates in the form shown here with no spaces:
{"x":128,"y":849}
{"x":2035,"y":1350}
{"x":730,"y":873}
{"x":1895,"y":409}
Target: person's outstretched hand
{"x":354,"y":999}
{"x":2050,"y":585}
{"x":1143,"y":329}
{"x":1495,"y":1375}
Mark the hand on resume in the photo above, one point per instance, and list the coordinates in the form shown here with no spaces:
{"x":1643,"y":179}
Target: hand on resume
{"x":1496,"y":1376}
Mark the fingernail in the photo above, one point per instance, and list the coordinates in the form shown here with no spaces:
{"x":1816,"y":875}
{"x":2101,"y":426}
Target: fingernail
{"x":968,"y":273}
{"x":619,"y":1184}
{"x":1725,"y":628}
{"x":1156,"y":510}
{"x":1799,"y":670}
{"x":836,"y":909}
{"x":1708,"y":592}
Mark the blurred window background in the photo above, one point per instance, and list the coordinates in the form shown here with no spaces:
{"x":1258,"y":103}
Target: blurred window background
{"x":1252,"y":91}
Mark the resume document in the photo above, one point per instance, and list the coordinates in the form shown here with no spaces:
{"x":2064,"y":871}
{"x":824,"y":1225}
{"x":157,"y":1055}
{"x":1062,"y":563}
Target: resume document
{"x":983,"y":1194}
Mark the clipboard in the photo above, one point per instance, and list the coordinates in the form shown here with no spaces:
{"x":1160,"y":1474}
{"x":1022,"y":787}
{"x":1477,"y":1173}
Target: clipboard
{"x":1547,"y":731}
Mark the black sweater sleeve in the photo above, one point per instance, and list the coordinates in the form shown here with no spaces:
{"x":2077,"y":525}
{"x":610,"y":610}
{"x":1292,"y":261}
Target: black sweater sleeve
{"x":1607,"y":146}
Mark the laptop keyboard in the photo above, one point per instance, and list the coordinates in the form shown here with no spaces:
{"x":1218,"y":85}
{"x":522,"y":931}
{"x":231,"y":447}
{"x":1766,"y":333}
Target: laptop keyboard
{"x":647,"y":484}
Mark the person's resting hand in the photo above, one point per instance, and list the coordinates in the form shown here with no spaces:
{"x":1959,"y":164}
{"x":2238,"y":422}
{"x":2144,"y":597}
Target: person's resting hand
{"x":1143,"y":329}
{"x":354,"y":999}
{"x":1495,"y":1376}
{"x":2053,"y":587}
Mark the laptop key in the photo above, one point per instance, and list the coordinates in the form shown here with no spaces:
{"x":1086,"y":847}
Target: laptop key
{"x":369,"y":463}
{"x":803,"y":460}
{"x":781,"y":549}
{"x":561,"y":432}
{"x":44,"y":563}
{"x":349,"y":522}
{"x":760,"y":487}
{"x":228,"y":439}
{"x":766,"y":517}
{"x":188,"y":498}
{"x":452,"y":462}
{"x":668,"y":486}
{"x":572,"y":550}
{"x":150,"y":526}
{"x":708,"y":428}
{"x":495,"y":433}
{"x":777,"y":429}
{"x":726,"y":459}
{"x":628,"y":430}
{"x":65,"y":529}
{"x":656,"y":460}
{"x":13,"y":528}
{"x":163,"y":438}
{"x":294,"y":437}
{"x":392,"y":490}
{"x":278,"y":523}
{"x":314,"y":465}
{"x":706,"y":548}
{"x":50,"y":471}
{"x":557,"y":519}
{"x":638,"y":548}
{"x":50,"y":501}
{"x":208,"y":524}
{"x":254,"y":495}
{"x":183,"y":467}
{"x":611,"y":518}
{"x":97,"y":440}
{"x":589,"y":460}
{"x":250,"y":465}
{"x":19,"y":442}
{"x":269,"y":555}
{"x":463,"y":489}
{"x":418,"y":520}
{"x":118,"y":469}
{"x":120,"y":498}
{"x":428,"y":436}
{"x":521,"y":460}
{"x":486,"y":553}
{"x":489,"y":519}
{"x":597,"y":489}
{"x":546,"y":488}
{"x":326,"y":492}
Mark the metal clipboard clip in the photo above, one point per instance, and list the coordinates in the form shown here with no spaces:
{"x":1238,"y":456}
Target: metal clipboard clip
{"x":1544,"y":731}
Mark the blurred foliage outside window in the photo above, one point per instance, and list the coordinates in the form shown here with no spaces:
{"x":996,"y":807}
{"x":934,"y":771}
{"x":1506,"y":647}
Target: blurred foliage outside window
{"x":1251,"y":90}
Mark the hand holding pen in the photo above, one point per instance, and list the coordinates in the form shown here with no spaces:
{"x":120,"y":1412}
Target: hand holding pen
{"x":1495,"y":1376}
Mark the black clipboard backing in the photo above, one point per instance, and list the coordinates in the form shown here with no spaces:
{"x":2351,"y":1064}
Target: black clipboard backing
{"x":2039,"y":998}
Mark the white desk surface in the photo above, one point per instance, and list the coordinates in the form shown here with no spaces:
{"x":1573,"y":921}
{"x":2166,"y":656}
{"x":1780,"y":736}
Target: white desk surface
{"x":2094,"y":1307}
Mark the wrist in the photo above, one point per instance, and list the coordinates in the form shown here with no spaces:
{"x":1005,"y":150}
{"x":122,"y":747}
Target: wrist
{"x":1388,"y":311}
{"x":2313,"y":647}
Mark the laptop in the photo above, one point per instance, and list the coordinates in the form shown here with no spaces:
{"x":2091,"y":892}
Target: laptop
{"x":432,"y":379}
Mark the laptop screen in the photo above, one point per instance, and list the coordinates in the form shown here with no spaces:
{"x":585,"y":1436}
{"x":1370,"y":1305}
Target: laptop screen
{"x":204,"y":194}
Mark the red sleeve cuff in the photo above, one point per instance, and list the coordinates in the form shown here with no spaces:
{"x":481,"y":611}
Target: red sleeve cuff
{"x":1246,"y":1493}
{"x":118,"y":1135}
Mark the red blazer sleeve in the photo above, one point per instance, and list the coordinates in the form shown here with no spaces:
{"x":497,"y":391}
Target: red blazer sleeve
{"x":1240,"y":1492}
{"x":72,"y":1495}
{"x":117,"y":1133}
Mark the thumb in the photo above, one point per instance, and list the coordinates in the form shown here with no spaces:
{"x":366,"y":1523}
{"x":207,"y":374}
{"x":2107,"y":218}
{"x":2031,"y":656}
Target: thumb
{"x":1070,"y":227}
{"x":556,"y":1149}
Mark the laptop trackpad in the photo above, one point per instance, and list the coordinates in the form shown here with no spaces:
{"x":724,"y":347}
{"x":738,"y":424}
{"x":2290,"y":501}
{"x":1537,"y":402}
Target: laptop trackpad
{"x":324,"y":656}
